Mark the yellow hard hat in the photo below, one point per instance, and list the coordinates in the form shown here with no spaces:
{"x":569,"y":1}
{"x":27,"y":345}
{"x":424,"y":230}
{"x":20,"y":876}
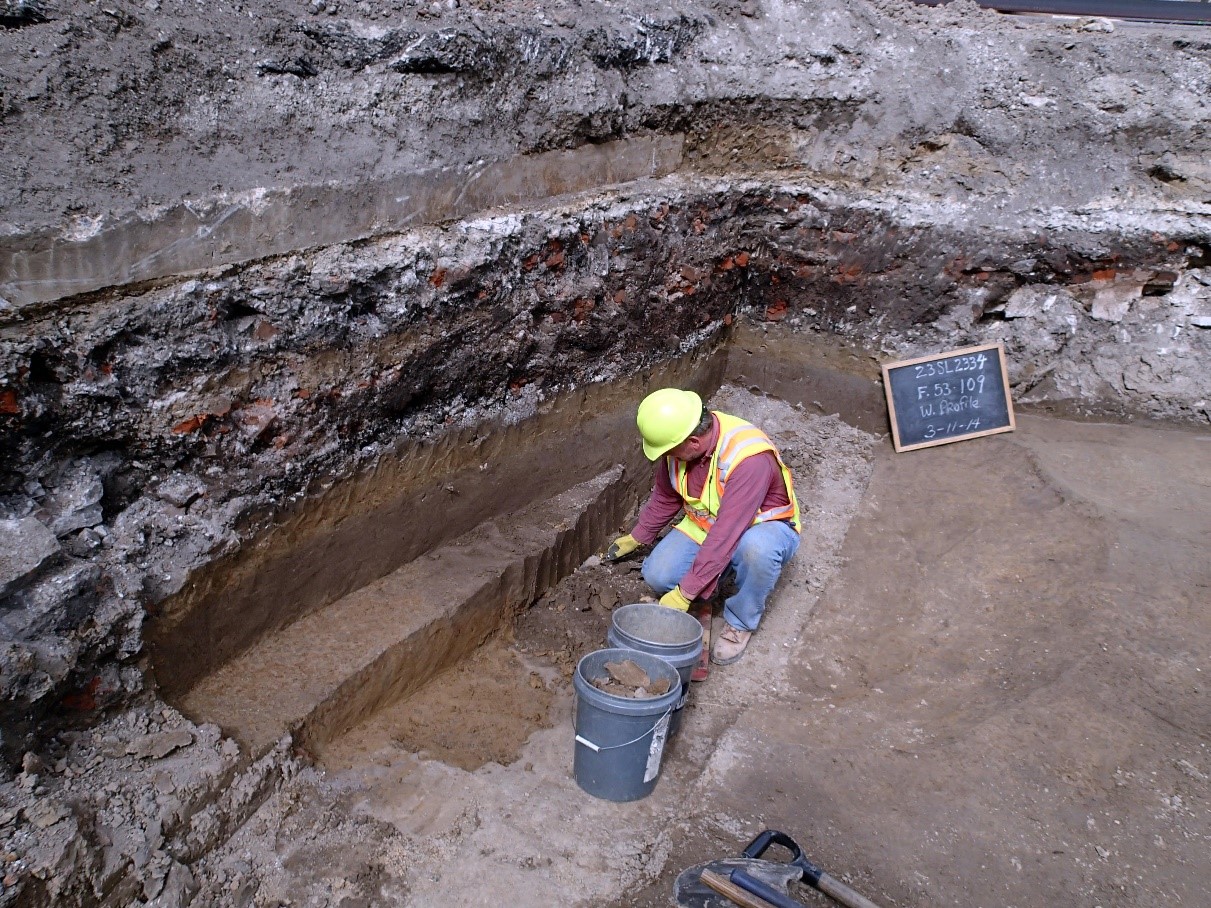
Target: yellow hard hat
{"x":666,"y":418}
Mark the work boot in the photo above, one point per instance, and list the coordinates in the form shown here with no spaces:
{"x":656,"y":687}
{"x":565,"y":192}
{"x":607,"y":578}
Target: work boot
{"x":730,"y":645}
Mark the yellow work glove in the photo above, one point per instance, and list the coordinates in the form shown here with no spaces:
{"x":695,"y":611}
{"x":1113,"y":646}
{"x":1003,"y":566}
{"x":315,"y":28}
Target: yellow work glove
{"x":674,"y":598}
{"x":621,"y":547}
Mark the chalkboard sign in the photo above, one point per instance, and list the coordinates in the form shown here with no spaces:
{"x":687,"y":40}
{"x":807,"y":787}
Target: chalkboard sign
{"x":948,"y":397}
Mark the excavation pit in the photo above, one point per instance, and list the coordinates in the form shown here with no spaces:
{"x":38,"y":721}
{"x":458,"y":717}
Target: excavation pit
{"x":292,"y":303}
{"x":980,"y":639}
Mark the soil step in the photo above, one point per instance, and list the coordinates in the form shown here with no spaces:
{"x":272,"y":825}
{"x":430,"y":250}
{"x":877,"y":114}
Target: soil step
{"x":331,"y":669}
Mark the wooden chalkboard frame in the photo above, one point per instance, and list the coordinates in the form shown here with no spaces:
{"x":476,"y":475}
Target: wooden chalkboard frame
{"x":997,"y":347}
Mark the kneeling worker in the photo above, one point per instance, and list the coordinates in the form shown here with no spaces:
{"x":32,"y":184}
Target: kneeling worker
{"x":740,"y":509}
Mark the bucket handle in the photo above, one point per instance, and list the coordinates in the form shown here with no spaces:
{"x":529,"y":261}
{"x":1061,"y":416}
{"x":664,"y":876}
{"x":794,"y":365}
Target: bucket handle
{"x":598,"y":749}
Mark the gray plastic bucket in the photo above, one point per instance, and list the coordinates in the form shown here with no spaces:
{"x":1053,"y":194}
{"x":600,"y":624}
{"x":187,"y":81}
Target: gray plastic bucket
{"x":673,"y":635}
{"x":620,"y":741}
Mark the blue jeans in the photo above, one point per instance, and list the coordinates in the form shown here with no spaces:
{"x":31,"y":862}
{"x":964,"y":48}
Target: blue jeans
{"x":758,"y":561}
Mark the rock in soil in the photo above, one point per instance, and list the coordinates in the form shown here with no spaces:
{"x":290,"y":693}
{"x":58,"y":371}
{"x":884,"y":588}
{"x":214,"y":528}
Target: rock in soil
{"x":628,"y":679}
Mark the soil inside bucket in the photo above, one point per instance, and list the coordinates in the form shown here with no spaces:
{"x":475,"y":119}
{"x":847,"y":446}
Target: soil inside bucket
{"x":627,"y":679}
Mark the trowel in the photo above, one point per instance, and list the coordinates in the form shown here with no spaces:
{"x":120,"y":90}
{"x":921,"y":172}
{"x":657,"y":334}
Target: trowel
{"x":751,"y":882}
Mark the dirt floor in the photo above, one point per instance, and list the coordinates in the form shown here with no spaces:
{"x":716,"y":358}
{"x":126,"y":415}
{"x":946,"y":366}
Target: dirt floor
{"x":992,"y":693}
{"x":1001,"y":699}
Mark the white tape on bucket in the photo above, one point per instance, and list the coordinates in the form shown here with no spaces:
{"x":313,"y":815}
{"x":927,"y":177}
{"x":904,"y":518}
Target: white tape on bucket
{"x":587,"y":743}
{"x":656,"y":750}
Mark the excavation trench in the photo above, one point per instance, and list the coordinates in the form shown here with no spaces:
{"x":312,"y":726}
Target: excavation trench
{"x":328,"y":628}
{"x":410,"y":626}
{"x":359,"y":595}
{"x":321,"y":338}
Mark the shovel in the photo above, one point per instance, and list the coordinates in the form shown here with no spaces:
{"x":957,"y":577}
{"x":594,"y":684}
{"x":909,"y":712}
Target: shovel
{"x":765,"y":879}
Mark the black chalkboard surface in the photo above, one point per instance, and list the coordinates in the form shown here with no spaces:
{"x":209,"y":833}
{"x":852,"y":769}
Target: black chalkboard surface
{"x":933,"y":400}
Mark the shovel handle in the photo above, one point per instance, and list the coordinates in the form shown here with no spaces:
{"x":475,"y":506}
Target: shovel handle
{"x":764,"y":890}
{"x":732,"y":892}
{"x":833,"y":887}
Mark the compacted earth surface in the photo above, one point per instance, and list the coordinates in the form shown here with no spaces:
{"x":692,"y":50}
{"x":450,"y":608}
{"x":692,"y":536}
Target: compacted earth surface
{"x":1002,"y":691}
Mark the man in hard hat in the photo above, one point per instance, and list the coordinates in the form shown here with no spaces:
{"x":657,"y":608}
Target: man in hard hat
{"x":740,"y":509}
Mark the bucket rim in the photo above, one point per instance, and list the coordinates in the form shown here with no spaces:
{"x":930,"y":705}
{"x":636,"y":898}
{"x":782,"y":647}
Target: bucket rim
{"x":680,"y":658}
{"x":693,"y":626}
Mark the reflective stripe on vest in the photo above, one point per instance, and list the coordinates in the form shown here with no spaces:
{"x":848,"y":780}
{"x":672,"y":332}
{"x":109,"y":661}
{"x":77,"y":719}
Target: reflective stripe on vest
{"x":738,"y":440}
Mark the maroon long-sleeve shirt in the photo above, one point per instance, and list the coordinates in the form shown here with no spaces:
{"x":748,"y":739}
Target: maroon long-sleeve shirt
{"x":755,"y":484}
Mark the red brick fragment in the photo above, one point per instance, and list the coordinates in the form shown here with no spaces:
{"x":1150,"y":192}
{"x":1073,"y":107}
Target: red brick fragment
{"x":265,"y":330}
{"x":776,"y":311}
{"x":742,"y":260}
{"x":438,"y":277}
{"x":581,"y":309}
{"x":83,"y":699}
{"x":9,"y":406}
{"x":1105,"y":274}
{"x":302,"y":393}
{"x":188,"y":426}
{"x":555,"y":259}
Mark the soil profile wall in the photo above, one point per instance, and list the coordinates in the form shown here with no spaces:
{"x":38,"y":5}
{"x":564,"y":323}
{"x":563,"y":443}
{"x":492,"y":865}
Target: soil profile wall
{"x":804,"y":167}
{"x":414,"y":500}
{"x":150,"y":436}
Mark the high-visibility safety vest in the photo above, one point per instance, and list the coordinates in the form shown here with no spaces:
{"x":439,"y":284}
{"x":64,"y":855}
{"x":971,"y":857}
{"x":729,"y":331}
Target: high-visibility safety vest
{"x":737,"y":440}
